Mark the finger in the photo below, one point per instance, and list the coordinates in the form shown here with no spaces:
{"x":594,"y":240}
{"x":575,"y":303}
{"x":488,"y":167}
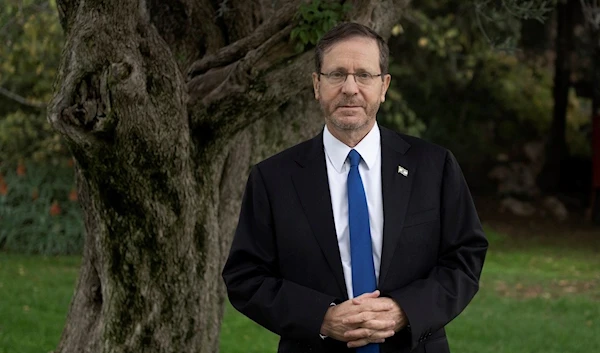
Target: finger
{"x":358,"y":334}
{"x":370,"y":320}
{"x":360,"y":298}
{"x":369,"y":334}
{"x":377,"y":304}
{"x":363,"y":342}
{"x":379,"y":325}
{"x":359,"y":318}
{"x":357,"y":343}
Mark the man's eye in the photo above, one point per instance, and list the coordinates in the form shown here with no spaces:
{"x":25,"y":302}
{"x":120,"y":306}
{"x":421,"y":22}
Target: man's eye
{"x":364,"y":75}
{"x":336,"y":75}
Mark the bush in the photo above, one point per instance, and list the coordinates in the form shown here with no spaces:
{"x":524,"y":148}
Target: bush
{"x":26,"y":136}
{"x":472,"y":98}
{"x":31,"y":41}
{"x":39,"y":212}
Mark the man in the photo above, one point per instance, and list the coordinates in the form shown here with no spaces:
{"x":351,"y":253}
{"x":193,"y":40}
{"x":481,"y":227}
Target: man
{"x":361,"y":239}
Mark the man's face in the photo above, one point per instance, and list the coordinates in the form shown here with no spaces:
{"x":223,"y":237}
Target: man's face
{"x":351,"y":105}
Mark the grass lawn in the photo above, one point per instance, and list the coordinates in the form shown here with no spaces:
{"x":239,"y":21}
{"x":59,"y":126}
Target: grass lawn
{"x":535,"y":296}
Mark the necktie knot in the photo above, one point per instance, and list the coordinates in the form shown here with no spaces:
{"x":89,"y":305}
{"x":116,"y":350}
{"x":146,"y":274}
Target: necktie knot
{"x":354,"y":158}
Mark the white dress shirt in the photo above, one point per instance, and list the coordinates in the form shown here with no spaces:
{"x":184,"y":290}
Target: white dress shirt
{"x":338,"y":166}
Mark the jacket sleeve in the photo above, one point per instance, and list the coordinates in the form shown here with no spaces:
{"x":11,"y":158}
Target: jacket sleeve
{"x":254,"y":284}
{"x":432,"y":302}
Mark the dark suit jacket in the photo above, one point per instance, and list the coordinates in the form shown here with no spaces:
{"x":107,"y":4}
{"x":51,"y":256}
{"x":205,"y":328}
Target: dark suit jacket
{"x":284,"y":268}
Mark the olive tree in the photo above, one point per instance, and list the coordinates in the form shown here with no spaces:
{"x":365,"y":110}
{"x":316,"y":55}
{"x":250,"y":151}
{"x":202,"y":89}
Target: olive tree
{"x":165,"y":105}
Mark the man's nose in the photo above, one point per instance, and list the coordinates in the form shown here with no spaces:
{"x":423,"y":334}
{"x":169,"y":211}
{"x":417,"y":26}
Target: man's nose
{"x":350,"y":87}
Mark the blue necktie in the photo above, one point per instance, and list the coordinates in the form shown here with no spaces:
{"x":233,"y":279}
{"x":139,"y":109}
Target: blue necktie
{"x":361,"y":250}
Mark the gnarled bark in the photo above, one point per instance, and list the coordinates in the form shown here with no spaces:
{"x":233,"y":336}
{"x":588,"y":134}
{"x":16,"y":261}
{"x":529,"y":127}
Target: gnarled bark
{"x":164,"y":106}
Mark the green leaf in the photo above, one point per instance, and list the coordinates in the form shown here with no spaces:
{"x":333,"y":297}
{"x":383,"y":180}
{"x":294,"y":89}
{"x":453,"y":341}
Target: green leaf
{"x":314,"y":38}
{"x":452,"y":33}
{"x":303,"y":37}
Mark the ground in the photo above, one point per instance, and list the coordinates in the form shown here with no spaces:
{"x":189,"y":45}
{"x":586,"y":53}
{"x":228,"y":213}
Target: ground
{"x":540,"y":292}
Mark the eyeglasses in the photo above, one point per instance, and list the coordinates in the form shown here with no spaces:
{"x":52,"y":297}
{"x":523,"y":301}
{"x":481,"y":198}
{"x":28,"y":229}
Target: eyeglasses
{"x":339,"y":77}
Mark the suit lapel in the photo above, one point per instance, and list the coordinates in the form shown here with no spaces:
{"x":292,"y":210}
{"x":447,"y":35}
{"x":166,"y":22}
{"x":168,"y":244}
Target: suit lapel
{"x":396,"y":189}
{"x":312,"y":186}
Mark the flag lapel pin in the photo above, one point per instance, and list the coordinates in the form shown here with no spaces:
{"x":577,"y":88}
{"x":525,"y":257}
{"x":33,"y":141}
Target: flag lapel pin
{"x":402,"y":170}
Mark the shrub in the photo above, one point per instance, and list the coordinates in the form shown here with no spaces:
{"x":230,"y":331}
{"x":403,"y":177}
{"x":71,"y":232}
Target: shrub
{"x":39,"y":212}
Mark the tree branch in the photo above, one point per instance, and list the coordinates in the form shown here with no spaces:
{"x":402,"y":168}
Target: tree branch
{"x":241,"y":18}
{"x":216,"y":84}
{"x":189,"y":27}
{"x":270,"y":74}
{"x":238,"y":49}
{"x":21,"y":100}
{"x":591,"y":12}
{"x":67,"y":9}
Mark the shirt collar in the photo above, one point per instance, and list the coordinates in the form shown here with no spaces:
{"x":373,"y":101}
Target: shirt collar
{"x":337,"y":151}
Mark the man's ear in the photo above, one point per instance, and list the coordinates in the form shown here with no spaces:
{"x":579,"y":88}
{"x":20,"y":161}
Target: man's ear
{"x":316,"y":84}
{"x":387,"y":78}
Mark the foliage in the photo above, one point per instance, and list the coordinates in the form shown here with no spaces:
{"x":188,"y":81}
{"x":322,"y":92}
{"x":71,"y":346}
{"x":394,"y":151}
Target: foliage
{"x":591,"y":13}
{"x":579,"y":128}
{"x":314,"y":19}
{"x":473,"y":98}
{"x":395,"y":112}
{"x":396,"y":115}
{"x":499,"y":21}
{"x":36,"y":215}
{"x":30,"y":45}
{"x":29,"y":136}
{"x":39,"y":212}
{"x":31,"y":39}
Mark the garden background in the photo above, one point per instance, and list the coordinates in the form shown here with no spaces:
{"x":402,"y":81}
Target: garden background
{"x":485,"y":87}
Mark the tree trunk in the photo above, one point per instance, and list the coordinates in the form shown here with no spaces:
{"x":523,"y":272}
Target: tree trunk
{"x":596,"y":125}
{"x":165,"y":104}
{"x":556,"y":146}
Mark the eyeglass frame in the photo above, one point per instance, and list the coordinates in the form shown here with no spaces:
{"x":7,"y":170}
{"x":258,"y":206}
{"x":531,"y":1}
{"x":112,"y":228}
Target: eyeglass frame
{"x":351,"y":73}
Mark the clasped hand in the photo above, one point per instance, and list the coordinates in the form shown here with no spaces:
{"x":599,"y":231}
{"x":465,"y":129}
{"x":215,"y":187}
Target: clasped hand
{"x":366,"y":319}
